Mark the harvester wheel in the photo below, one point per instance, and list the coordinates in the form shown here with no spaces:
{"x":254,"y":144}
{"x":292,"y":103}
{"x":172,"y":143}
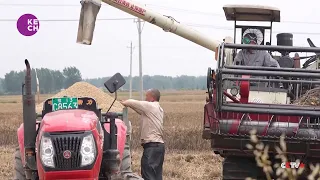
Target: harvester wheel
{"x":240,"y":168}
{"x":18,"y":167}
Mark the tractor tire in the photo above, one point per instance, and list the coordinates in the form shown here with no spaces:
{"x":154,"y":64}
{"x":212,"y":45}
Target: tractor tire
{"x":19,"y":173}
{"x":126,"y":159}
{"x":240,"y":168}
{"x":125,"y":168}
{"x":126,"y":171}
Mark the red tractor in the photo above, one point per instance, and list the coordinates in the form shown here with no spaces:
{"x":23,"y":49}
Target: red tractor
{"x":243,"y":98}
{"x":73,"y":139}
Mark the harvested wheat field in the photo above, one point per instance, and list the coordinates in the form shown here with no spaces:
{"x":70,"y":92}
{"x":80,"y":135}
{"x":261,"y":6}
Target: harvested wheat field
{"x":188,"y":156}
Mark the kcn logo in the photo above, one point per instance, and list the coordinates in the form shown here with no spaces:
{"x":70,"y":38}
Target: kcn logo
{"x":28,"y":24}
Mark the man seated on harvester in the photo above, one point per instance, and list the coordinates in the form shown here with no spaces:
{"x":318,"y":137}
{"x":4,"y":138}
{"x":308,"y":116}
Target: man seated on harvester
{"x":250,"y":57}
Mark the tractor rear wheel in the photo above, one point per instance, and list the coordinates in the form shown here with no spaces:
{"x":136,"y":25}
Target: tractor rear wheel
{"x":125,"y":168}
{"x":240,"y":168}
{"x":18,"y":167}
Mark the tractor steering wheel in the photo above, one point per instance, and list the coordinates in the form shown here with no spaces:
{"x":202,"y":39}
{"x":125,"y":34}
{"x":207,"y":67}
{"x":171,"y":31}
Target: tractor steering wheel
{"x":311,"y":58}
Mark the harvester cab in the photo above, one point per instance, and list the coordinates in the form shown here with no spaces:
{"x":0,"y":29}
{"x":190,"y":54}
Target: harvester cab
{"x":263,"y":92}
{"x":73,"y":139}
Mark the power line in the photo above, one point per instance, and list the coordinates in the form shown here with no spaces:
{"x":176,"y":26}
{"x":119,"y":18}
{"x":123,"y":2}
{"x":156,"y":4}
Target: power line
{"x":158,"y":6}
{"x":187,"y":24}
{"x":77,"y":20}
{"x":152,"y":5}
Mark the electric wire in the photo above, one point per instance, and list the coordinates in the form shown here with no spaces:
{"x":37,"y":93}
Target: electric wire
{"x":152,"y":5}
{"x":159,"y":6}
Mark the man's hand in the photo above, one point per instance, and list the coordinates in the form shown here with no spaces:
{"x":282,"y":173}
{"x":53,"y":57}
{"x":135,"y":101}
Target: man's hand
{"x":122,"y":102}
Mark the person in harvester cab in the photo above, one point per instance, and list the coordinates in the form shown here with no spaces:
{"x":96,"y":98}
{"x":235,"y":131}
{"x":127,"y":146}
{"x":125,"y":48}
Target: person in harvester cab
{"x":251,"y":57}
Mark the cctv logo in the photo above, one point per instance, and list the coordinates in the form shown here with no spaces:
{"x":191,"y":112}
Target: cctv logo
{"x":292,"y":165}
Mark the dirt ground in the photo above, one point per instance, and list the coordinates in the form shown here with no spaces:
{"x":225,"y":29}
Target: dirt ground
{"x":188,"y":156}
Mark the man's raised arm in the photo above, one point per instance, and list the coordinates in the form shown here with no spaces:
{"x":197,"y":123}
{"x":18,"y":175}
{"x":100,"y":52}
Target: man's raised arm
{"x":269,"y":61}
{"x":138,"y":106}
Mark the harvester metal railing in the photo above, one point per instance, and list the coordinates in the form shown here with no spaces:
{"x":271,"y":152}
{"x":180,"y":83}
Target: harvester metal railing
{"x":277,"y":72}
{"x":297,"y":76}
{"x":293,"y":81}
{"x":273,"y":48}
{"x":271,"y":69}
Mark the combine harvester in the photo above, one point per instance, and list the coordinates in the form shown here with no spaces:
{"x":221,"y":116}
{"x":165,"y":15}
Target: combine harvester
{"x":240,"y":98}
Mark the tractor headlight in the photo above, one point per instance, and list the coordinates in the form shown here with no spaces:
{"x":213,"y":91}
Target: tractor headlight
{"x":46,"y":152}
{"x":88,"y":150}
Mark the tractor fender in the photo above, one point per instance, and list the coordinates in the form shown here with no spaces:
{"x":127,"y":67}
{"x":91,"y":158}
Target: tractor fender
{"x":20,"y":134}
{"x":121,"y":134}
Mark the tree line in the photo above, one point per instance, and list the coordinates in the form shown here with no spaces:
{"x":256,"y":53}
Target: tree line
{"x":52,"y":81}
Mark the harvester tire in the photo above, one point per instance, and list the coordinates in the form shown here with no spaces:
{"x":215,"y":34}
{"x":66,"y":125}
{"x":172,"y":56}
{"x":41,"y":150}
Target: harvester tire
{"x":240,"y":168}
{"x":18,"y":167}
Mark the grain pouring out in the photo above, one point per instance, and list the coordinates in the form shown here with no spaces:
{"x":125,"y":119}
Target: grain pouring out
{"x":84,"y":89}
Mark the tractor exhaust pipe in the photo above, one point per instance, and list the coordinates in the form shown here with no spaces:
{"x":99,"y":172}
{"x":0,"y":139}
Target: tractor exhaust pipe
{"x":29,"y":120}
{"x":88,"y":16}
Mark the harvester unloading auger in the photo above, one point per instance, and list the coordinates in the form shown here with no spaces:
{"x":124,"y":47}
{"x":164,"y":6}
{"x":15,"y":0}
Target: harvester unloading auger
{"x":242,"y":98}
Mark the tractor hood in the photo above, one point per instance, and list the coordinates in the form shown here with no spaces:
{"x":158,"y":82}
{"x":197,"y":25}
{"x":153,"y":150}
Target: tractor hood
{"x":69,"y":120}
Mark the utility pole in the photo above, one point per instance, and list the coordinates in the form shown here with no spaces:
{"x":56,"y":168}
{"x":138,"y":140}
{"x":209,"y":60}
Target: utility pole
{"x":38,"y":88}
{"x":140,"y":59}
{"x":130,"y":89}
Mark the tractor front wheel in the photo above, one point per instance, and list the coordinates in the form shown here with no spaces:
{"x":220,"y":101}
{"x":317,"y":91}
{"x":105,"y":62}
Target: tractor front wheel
{"x":19,"y":173}
{"x":240,"y":168}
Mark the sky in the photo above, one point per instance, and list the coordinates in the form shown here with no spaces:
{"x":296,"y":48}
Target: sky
{"x":54,"y":45}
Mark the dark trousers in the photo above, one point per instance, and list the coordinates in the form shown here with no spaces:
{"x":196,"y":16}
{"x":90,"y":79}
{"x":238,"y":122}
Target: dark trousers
{"x":152,"y":161}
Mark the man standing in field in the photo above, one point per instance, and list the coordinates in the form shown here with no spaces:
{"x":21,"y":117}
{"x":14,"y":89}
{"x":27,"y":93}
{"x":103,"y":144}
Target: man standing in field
{"x":151,"y":126}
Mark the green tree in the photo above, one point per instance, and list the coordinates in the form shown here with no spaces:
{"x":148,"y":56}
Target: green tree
{"x":12,"y":82}
{"x":58,"y":80}
{"x":72,"y":75}
{"x":52,"y":81}
{"x":2,"y":88}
